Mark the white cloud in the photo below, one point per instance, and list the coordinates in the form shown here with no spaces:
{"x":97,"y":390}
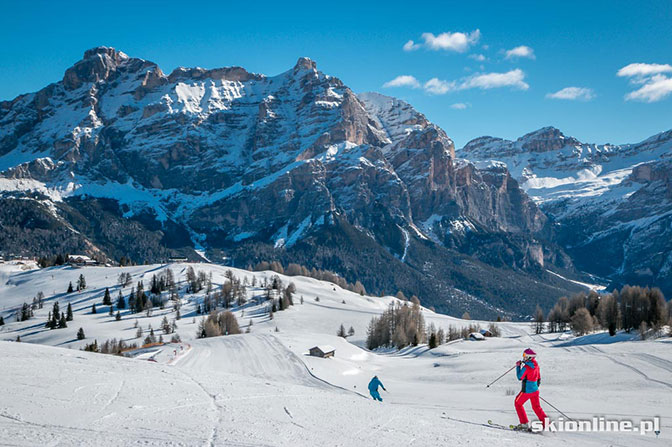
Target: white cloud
{"x":459,"y":106}
{"x":644,"y":70}
{"x":573,"y":94}
{"x":654,"y":89}
{"x":655,"y":85}
{"x":477,"y":57}
{"x":458,"y":42}
{"x":438,"y":87}
{"x":403,"y":81}
{"x":514,"y":78}
{"x":485,"y":81}
{"x":411,"y":46}
{"x":521,"y":51}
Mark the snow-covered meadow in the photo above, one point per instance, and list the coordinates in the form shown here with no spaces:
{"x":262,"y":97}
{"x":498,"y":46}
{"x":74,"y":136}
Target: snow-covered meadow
{"x":261,"y":387}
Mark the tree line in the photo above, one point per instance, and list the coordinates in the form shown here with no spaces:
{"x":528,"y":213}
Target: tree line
{"x":631,"y":308}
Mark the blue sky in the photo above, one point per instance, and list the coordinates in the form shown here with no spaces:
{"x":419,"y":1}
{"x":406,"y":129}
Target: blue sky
{"x":556,"y":45}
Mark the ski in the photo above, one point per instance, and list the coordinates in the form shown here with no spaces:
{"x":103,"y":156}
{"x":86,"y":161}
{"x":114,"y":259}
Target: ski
{"x":504,"y":427}
{"x":509,"y":427}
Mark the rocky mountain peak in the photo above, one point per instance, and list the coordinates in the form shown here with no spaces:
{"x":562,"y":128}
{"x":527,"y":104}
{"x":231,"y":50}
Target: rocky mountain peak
{"x":305,"y":63}
{"x":546,"y":139}
{"x":98,"y":63}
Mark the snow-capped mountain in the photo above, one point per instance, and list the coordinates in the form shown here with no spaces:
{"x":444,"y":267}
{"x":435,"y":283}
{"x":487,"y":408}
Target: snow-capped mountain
{"x":611,"y":203}
{"x":121,"y":159}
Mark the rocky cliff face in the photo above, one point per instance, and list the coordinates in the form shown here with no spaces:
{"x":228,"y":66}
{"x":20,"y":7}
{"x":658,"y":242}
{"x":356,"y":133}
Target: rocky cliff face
{"x":611,"y":203}
{"x":224,"y":159}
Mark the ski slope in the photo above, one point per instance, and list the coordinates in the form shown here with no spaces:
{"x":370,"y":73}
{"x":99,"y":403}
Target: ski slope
{"x":262,"y":389}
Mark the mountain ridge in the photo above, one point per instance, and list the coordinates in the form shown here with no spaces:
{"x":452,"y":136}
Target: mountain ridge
{"x":130,"y":161}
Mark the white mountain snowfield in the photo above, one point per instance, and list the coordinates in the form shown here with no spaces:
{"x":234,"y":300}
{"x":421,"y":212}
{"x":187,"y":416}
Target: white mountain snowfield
{"x":584,"y":175}
{"x":261,"y":388}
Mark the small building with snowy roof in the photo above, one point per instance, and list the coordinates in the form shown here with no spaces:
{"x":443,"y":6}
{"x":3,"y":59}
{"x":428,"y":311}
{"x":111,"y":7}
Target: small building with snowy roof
{"x":81,"y":260}
{"x":323,"y":351}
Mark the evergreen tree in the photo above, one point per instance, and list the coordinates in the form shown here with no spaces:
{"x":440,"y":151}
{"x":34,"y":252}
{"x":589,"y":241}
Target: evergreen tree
{"x":2,"y":321}
{"x":107,"y":300}
{"x":139,"y":333}
{"x":80,"y":334}
{"x":341,"y":332}
{"x":121,"y":302}
{"x":131,"y":300}
{"x":93,"y":309}
{"x":139,"y":301}
{"x":25,"y":312}
{"x":81,"y":282}
{"x":70,"y":290}
{"x":69,"y":316}
{"x":118,"y":316}
{"x":432,"y":340}
{"x":62,"y":323}
{"x":111,"y":311}
{"x":351,"y":331}
{"x":54,"y":317}
{"x":165,"y":325}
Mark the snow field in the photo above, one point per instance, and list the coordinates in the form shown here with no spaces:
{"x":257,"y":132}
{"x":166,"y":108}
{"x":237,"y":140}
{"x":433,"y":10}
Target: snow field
{"x":263,"y":389}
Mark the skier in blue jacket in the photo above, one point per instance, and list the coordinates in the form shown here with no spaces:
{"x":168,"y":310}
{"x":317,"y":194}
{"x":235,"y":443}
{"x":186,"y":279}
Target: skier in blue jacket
{"x":373,"y":388}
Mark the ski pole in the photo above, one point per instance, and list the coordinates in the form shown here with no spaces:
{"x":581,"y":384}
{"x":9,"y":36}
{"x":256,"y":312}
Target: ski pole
{"x":488,"y":386}
{"x":551,"y":405}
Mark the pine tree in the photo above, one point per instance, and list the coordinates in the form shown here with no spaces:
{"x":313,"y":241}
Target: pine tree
{"x":70,"y":289}
{"x":351,"y":331}
{"x":25,"y":312}
{"x":341,"y":331}
{"x":139,"y":333}
{"x":111,"y":311}
{"x":118,"y":316}
{"x":121,"y":302}
{"x":81,"y":283}
{"x":54,"y":316}
{"x":2,"y":321}
{"x":432,"y":340}
{"x":107,"y":300}
{"x":69,"y":316}
{"x":93,"y":309}
{"x":80,"y":334}
{"x":62,"y":324}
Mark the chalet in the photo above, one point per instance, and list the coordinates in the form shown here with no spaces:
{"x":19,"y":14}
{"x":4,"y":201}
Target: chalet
{"x":486,"y":333}
{"x":476,"y":336}
{"x":81,"y":261}
{"x":323,"y":351}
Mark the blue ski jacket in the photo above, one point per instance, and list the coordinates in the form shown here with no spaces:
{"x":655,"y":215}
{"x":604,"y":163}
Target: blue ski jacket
{"x":375,"y":383}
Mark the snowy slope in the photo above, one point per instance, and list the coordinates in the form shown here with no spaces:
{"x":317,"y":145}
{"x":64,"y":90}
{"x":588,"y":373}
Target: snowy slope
{"x":261,"y":388}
